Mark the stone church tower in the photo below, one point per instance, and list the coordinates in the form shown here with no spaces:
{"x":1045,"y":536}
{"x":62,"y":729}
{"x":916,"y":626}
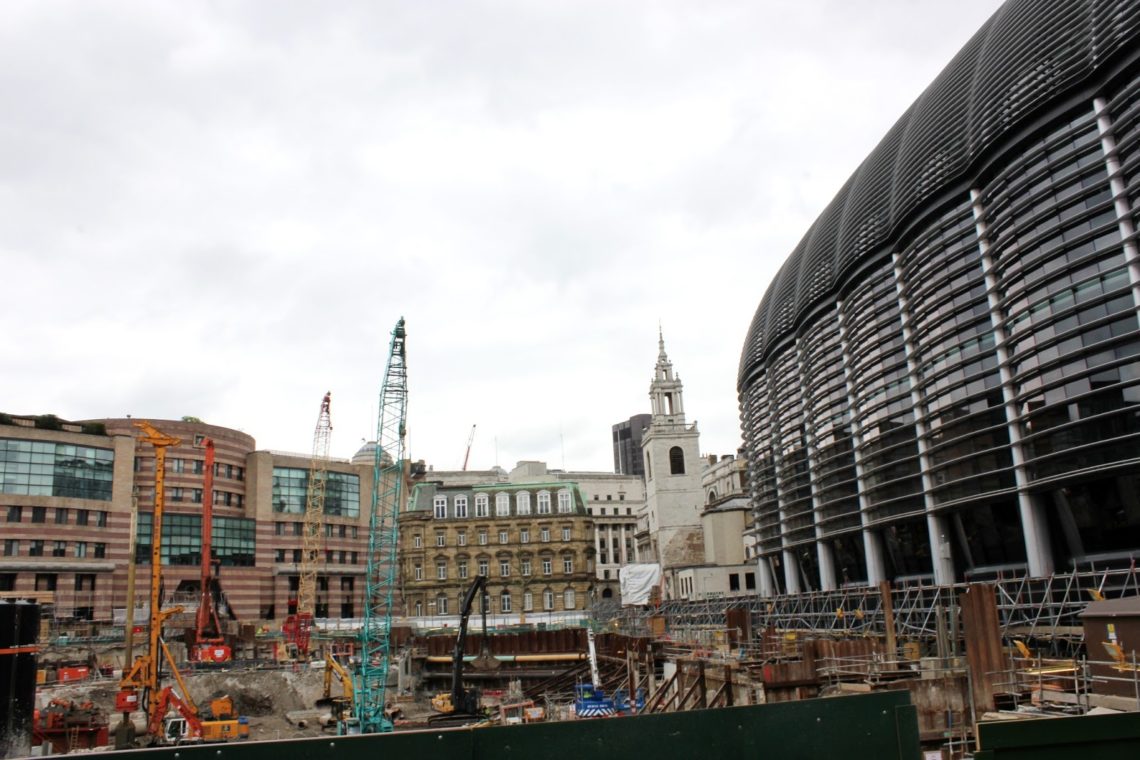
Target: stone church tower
{"x":673,"y":493}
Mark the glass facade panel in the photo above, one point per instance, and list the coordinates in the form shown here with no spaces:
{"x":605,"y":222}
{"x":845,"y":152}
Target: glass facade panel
{"x":44,"y":468}
{"x":290,"y":490}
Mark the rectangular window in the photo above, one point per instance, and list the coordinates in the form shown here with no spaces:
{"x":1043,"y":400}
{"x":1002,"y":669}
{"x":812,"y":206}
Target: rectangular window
{"x":504,"y":568}
{"x":481,"y":505}
{"x":45,"y":581}
{"x":502,"y":536}
{"x":544,"y":535}
{"x":461,"y":538}
{"x":568,"y":600}
{"x":522,"y":503}
{"x":734,"y":581}
{"x":524,"y":536}
{"x":279,"y":529}
{"x":353,"y":557}
{"x":297,"y":529}
{"x":440,"y":539}
{"x":524,"y":567}
{"x":547,"y":600}
{"x":547,"y":566}
{"x":441,"y":571}
{"x":544,"y":502}
{"x":39,"y":514}
{"x":482,"y":538}
{"x":440,"y":507}
{"x":564,"y":502}
{"x":441,"y":605}
{"x":279,"y":555}
{"x":418,"y":572}
{"x":342,"y":531}
{"x":296,"y":555}
{"x":502,"y":505}
{"x":199,"y":466}
{"x":484,"y":566}
{"x":505,"y":602}
{"x":418,"y":541}
{"x":11,"y":547}
{"x":353,"y":532}
{"x":37,"y":548}
{"x":177,"y":465}
{"x":750,"y":581}
{"x":342,"y":555}
{"x":196,"y":496}
{"x":100,"y":551}
{"x":528,"y":601}
{"x":462,"y":568}
{"x":568,"y":565}
{"x":80,"y":549}
{"x":101,"y":519}
{"x":565,"y":534}
{"x":59,"y":549}
{"x":14,"y":514}
{"x":461,"y":506}
{"x":82,"y":516}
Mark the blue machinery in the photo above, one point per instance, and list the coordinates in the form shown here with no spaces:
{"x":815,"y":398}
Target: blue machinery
{"x":388,"y":481}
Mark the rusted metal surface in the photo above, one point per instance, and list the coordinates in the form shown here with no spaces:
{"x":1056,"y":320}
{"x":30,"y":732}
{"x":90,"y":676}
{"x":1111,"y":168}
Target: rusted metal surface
{"x":982,"y":631}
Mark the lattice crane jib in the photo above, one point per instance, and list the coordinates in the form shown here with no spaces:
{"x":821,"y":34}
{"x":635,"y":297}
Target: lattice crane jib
{"x":388,"y":483}
{"x":314,"y":519}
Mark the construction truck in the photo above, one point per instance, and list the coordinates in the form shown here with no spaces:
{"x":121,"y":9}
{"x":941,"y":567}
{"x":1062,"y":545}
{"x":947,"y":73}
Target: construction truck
{"x":341,"y":705}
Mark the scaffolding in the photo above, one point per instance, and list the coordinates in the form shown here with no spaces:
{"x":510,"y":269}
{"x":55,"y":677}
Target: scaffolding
{"x":1040,"y":609}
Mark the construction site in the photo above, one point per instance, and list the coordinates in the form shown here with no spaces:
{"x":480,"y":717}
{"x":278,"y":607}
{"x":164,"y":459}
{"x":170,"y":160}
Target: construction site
{"x":959,"y":657}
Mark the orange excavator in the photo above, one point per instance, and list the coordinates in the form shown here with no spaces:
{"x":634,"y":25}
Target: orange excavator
{"x":139,"y":687}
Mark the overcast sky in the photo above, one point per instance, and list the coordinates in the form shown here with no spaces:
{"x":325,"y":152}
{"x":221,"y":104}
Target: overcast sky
{"x":220,"y":209}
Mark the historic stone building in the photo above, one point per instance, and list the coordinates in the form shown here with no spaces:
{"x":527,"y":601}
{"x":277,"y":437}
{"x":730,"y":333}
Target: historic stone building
{"x":529,"y":533}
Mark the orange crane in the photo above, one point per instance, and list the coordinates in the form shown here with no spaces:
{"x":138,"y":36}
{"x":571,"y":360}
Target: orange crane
{"x":144,"y":673}
{"x":298,"y":626}
{"x":209,"y":643}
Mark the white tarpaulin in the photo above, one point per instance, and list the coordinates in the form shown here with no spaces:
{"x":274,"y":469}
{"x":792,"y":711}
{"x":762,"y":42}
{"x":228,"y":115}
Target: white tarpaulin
{"x":637,"y":581}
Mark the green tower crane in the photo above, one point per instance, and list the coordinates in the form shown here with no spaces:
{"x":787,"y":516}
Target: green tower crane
{"x":380,"y":585}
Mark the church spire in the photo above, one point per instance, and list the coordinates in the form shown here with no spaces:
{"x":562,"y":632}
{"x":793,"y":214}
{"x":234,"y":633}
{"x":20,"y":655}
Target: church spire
{"x":665,"y":390}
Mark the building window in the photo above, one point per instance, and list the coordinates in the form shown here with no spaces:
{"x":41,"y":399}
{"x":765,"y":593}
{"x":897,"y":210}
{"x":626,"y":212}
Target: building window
{"x":45,"y":581}
{"x":734,"y":581}
{"x":441,"y":571}
{"x":461,"y":538}
{"x":59,"y":549}
{"x":528,"y":601}
{"x":101,"y":519}
{"x":547,"y":566}
{"x":82,"y":516}
{"x":342,"y":531}
{"x":296,"y":555}
{"x":179,"y":466}
{"x":418,"y":541}
{"x":568,"y":600}
{"x":564,"y":501}
{"x":505,"y":601}
{"x":565,"y":534}
{"x":461,"y":506}
{"x":14,"y":514}
{"x":199,"y":466}
{"x":462,"y":568}
{"x":504,"y":568}
{"x":524,"y":535}
{"x":37,"y":548}
{"x":524,"y":567}
{"x":568,"y":565}
{"x":418,"y":572}
{"x":80,"y":549}
{"x":484,"y":567}
{"x":522,"y":503}
{"x":419,"y":607}
{"x":502,"y":505}
{"x":440,"y":507}
{"x":441,"y":605}
{"x":39,"y":514}
{"x":197,"y":496}
{"x":482,"y":538}
{"x":11,"y":547}
{"x":502,"y":536}
{"x":676,"y":461}
{"x":481,"y":505}
{"x":544,"y":502}
{"x":175,"y":493}
{"x":440,"y":539}
{"x":100,"y":551}
{"x":750,"y":581}
{"x":279,"y":555}
{"x":544,"y":535}
{"x":547,"y":599}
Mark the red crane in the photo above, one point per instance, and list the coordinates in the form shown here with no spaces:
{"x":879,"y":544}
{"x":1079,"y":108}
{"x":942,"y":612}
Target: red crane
{"x":209,"y":643}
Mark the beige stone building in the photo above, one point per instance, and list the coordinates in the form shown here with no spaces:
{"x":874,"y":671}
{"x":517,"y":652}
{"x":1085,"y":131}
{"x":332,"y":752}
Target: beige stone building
{"x":528,"y":532}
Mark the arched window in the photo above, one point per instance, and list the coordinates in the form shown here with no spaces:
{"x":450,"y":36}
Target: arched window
{"x":522,"y":503}
{"x":712,"y":496}
{"x":544,"y":502}
{"x":502,"y":504}
{"x":676,"y":461}
{"x":481,"y":502}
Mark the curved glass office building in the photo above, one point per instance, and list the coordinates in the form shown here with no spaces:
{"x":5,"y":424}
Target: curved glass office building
{"x":943,"y":380}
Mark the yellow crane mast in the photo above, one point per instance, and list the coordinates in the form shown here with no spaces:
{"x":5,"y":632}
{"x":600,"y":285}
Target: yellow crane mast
{"x":314,"y":519}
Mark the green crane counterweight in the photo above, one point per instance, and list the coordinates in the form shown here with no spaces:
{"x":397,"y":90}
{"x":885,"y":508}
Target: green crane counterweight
{"x":388,"y":484}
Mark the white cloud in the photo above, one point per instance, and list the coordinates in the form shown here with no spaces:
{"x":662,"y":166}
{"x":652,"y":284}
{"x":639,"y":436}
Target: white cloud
{"x":221,"y":209}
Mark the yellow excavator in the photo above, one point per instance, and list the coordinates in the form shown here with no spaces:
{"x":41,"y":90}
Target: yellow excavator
{"x":341,"y":705}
